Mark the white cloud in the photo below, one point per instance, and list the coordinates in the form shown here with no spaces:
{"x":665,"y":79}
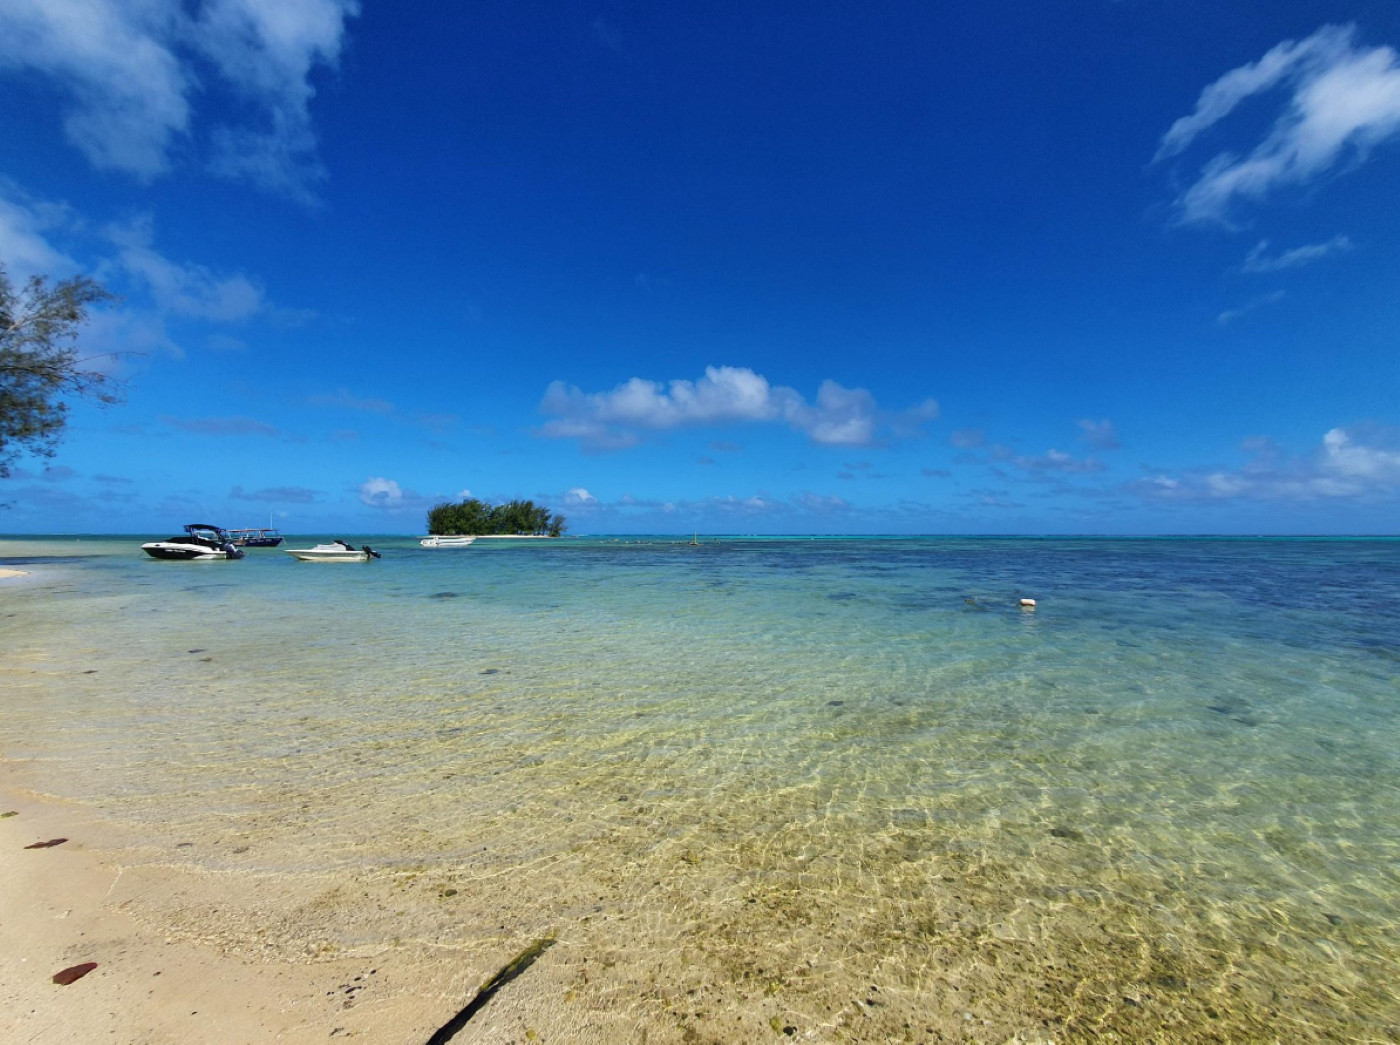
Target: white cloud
{"x":266,"y":50}
{"x":132,"y":68}
{"x":1260,"y":260}
{"x":378,"y":492}
{"x":127,"y":88}
{"x":25,"y":249}
{"x":1351,"y":463}
{"x":1344,"y":100}
{"x":841,"y":416}
{"x":578,"y":496}
{"x":1344,"y":456}
{"x":725,"y":395}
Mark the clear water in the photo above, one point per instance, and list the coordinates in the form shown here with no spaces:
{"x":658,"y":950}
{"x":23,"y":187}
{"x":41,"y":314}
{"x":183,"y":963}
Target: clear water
{"x":844,"y":783}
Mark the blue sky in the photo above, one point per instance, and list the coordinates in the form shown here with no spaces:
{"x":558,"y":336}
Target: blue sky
{"x":994,"y":267}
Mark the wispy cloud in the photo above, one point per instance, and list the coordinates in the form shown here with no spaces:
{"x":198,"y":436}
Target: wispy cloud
{"x":25,"y":227}
{"x":184,"y":290}
{"x":239,"y":426}
{"x":1359,"y":462}
{"x":994,"y":499}
{"x":157,"y":294}
{"x":839,"y":416}
{"x":1344,"y":98}
{"x":1052,"y":464}
{"x":1099,"y":435}
{"x":1057,"y":461}
{"x":343,"y":399}
{"x":1260,"y":260}
{"x":128,"y":71}
{"x":277,"y":495}
{"x":1253,"y":305}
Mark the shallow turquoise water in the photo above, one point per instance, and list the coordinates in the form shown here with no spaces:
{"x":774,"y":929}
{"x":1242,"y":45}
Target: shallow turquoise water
{"x":1183,"y":766}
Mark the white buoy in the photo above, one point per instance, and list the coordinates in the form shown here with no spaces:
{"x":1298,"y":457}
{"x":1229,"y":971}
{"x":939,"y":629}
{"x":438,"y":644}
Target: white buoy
{"x":1027,"y":604}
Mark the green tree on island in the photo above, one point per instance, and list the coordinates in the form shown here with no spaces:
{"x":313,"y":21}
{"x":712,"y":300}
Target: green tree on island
{"x":472,"y":517}
{"x":40,"y":365}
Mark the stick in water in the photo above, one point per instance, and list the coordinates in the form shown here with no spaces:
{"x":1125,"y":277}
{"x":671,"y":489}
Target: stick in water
{"x":510,"y":971}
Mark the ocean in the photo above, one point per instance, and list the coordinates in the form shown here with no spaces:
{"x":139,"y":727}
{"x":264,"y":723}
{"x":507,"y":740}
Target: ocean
{"x":834,"y":789}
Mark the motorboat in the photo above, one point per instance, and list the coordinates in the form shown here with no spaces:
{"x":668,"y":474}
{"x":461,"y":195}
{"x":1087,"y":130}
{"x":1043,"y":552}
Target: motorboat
{"x":200,"y":541}
{"x":336,"y":551}
{"x":441,"y":540}
{"x":255,"y":538}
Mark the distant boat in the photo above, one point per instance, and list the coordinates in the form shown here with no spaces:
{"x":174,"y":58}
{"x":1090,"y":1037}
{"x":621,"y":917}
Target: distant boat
{"x":255,"y":538}
{"x":439,"y":540}
{"x":339,"y":551}
{"x":201,"y":541}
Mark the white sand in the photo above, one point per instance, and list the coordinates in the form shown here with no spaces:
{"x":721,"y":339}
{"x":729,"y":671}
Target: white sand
{"x":66,"y":905}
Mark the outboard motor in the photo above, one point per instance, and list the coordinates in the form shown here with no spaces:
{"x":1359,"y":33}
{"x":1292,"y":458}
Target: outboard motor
{"x":370,"y":553}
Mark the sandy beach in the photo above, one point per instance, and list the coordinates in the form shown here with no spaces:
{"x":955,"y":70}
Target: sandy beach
{"x":70,"y":904}
{"x":73,"y":903}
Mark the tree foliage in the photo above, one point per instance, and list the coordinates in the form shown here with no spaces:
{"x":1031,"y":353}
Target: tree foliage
{"x":40,"y":365}
{"x":474,"y":517}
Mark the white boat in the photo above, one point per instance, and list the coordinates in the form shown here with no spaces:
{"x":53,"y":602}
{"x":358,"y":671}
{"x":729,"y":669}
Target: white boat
{"x":339,"y":551}
{"x":439,"y":540}
{"x":201,"y":541}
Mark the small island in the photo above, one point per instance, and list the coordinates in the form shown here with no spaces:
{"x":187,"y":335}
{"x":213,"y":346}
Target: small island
{"x":475,"y":518}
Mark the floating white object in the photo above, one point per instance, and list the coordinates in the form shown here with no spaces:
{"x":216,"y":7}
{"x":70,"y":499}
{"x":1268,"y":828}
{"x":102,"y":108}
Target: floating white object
{"x":1027,"y":604}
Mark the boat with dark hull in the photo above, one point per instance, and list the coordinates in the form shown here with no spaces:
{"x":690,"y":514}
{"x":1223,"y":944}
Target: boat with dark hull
{"x":200,"y":541}
{"x":255,"y":538}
